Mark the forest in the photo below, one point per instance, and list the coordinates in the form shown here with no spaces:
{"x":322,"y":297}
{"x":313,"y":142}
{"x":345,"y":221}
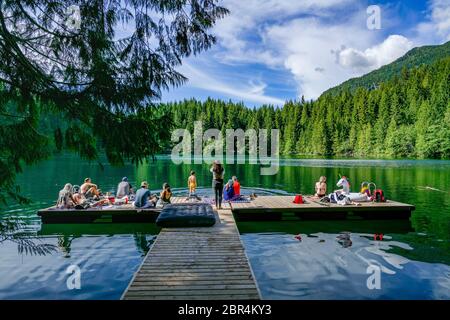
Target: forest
{"x":407,"y":116}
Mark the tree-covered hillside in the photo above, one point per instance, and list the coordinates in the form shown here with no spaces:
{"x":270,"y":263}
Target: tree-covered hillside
{"x":407,"y":116}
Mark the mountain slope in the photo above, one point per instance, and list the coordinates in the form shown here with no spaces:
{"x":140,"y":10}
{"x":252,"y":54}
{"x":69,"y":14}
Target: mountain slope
{"x":414,"y":58}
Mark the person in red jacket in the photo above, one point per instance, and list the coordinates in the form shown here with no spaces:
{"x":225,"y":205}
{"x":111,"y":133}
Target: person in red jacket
{"x":236,"y":187}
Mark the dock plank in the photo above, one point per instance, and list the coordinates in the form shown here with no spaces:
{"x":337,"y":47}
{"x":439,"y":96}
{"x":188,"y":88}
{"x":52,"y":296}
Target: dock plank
{"x":196,"y":263}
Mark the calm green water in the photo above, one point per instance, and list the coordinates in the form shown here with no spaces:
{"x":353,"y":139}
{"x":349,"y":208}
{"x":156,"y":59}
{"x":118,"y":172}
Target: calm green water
{"x":414,"y":256}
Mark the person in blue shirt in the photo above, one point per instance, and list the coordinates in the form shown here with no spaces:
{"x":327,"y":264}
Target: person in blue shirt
{"x":144,"y":199}
{"x":228,"y":191}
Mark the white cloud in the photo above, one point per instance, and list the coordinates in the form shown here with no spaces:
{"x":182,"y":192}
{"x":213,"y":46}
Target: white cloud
{"x":372,"y":58}
{"x":298,"y":36}
{"x":253,"y":92}
{"x":251,"y":18}
{"x":437,"y":28}
{"x":440,"y":16}
{"x":307,"y":46}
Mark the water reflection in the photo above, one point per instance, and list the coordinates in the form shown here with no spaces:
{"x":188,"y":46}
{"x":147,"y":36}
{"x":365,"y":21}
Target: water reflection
{"x":325,"y":266}
{"x":107,"y":265}
{"x":107,"y":255}
{"x":143,"y":233}
{"x":344,"y":239}
{"x":14,"y":231}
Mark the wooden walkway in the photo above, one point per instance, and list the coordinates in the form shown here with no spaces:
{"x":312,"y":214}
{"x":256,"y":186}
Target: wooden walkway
{"x":196,"y":263}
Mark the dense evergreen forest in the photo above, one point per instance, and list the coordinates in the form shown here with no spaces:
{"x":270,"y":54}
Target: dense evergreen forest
{"x":406,"y":116}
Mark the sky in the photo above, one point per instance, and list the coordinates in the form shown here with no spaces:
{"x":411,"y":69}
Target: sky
{"x":270,"y":51}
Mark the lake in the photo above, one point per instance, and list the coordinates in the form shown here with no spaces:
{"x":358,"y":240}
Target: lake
{"x":330,"y":262}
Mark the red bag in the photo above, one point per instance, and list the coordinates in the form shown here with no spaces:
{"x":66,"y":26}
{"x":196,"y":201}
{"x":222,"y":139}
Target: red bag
{"x":298,"y":199}
{"x":378,"y":196}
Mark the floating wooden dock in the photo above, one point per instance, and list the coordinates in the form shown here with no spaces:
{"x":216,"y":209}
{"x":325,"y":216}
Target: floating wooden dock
{"x":265,"y":208}
{"x":196,"y":264}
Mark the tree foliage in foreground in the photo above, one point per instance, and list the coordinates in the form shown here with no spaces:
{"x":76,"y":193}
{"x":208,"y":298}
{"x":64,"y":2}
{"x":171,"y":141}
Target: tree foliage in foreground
{"x":408,"y":116}
{"x":67,"y":60}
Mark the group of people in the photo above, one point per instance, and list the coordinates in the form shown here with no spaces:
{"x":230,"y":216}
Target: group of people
{"x":90,"y":195}
{"x":144,"y":199}
{"x":72,"y":196}
{"x":343,"y":196}
{"x":230,"y":192}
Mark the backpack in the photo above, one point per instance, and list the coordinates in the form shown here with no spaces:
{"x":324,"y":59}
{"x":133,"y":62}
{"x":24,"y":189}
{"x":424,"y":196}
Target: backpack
{"x":378,"y":196}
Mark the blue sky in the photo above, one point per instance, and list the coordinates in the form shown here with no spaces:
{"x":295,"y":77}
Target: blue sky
{"x":269,"y":51}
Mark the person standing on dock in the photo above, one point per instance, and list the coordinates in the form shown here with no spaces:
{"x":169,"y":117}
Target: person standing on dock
{"x":144,"y":199}
{"x":217,"y":171}
{"x":192,"y":184}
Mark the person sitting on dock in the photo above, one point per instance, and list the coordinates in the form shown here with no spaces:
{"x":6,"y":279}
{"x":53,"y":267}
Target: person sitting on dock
{"x":65,"y":200}
{"x":124,"y":188}
{"x":228,"y":191}
{"x":89,"y":190}
{"x":166,"y":194}
{"x":237,"y":191}
{"x":144,"y":199}
{"x":236,"y":187}
{"x":192,"y":183}
{"x":77,"y":197}
{"x":321,"y":187}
